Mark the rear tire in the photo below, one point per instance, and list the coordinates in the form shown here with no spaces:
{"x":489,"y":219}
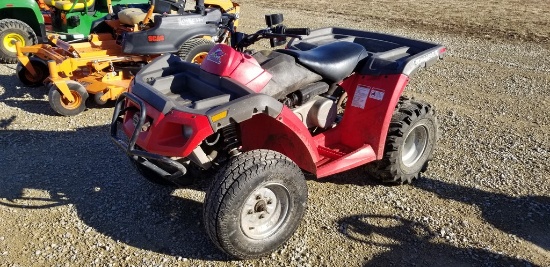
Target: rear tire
{"x":14,"y":30}
{"x":255,"y":203}
{"x":41,"y":69}
{"x":411,"y":139}
{"x":62,"y":106}
{"x":195,"y":50}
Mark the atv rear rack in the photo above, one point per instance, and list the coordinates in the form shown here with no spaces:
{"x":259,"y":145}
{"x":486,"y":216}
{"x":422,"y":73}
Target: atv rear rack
{"x":388,"y":54}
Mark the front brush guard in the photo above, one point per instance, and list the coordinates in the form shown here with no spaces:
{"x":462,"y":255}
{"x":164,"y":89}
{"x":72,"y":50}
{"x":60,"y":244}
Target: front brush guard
{"x":140,"y":156}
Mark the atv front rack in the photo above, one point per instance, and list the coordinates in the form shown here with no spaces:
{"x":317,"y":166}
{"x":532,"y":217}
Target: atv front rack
{"x":140,"y":156}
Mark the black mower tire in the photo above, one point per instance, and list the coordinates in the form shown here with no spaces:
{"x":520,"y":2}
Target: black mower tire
{"x":255,"y":203}
{"x":60,"y":105}
{"x":13,"y":29}
{"x":195,"y":50}
{"x":97,"y":99}
{"x":411,"y":140}
{"x":42,"y":72}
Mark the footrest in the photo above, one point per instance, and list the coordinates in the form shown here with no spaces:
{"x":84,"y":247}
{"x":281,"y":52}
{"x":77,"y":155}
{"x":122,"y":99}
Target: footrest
{"x":358,"y":157}
{"x":329,"y":153}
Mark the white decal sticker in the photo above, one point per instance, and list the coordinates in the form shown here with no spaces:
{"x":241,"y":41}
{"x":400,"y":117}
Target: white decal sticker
{"x":376,"y":94}
{"x":187,"y":21}
{"x":360,"y":97}
{"x":425,"y":58}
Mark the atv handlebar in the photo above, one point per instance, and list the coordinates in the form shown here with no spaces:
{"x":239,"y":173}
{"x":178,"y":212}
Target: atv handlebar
{"x":297,"y":31}
{"x":277,"y":33}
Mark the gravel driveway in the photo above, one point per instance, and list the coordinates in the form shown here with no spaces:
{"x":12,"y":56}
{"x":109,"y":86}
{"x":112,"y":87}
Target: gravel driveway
{"x":68,"y":196}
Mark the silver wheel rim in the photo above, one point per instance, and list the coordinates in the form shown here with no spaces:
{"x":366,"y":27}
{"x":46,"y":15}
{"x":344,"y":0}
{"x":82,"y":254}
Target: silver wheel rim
{"x":264,"y":211}
{"x":414,"y":146}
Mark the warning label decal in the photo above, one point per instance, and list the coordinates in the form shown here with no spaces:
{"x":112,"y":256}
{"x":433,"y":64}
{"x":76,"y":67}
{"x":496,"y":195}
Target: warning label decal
{"x":360,"y":97}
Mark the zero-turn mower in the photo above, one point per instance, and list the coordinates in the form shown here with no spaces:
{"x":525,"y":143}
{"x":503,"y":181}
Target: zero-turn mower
{"x":30,"y":21}
{"x":103,"y":67}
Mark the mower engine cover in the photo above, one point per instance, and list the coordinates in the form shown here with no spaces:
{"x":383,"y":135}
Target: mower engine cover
{"x":170,"y":32}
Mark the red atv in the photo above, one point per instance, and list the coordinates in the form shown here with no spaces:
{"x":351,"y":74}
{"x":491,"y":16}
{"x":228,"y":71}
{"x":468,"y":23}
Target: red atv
{"x":328,"y":103}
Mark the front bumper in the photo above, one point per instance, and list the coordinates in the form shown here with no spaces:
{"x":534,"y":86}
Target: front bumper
{"x":146,"y":159}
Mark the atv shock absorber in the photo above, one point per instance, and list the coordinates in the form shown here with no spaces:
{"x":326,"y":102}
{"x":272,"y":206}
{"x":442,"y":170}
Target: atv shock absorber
{"x":231,"y":139}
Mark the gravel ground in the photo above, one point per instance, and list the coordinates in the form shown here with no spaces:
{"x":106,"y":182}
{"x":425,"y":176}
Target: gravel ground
{"x":70,"y":198}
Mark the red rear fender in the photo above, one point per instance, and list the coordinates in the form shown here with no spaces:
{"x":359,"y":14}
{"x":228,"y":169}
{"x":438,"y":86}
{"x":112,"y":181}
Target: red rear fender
{"x":369,"y":108}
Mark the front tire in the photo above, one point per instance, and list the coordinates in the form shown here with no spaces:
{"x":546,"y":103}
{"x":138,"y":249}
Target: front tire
{"x":14,"y":30}
{"x":195,"y":50}
{"x":62,"y":105}
{"x":255,"y":203}
{"x":411,"y":139}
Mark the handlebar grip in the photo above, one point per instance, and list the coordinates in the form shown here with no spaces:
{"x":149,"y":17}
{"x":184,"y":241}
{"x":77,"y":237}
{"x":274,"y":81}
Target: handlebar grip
{"x":297,"y":31}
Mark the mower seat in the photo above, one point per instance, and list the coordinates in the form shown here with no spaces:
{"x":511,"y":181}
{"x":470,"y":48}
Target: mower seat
{"x":132,"y":16}
{"x":333,"y":61}
{"x":66,"y":5}
{"x":50,"y":2}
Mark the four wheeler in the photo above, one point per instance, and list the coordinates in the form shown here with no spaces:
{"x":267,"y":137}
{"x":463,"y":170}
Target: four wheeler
{"x":28,"y":21}
{"x":104,"y":66}
{"x":328,"y":103}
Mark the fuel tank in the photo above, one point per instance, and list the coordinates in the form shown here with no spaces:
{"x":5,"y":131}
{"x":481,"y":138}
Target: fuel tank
{"x":224,"y":61}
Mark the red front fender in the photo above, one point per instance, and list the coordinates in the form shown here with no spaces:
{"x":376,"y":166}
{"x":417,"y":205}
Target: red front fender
{"x":285,"y":134}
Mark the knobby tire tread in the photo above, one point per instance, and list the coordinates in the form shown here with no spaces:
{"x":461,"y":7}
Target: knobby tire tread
{"x":20,"y":25}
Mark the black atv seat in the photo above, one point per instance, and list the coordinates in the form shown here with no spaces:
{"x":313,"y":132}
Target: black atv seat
{"x":334,"y":61}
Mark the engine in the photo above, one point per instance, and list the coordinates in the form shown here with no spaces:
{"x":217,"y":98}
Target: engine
{"x":318,"y":112}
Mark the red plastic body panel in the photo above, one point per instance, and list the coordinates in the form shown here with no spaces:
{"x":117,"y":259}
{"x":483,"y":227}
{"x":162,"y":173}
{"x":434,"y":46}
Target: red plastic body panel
{"x":368,"y":122}
{"x":165,"y":135}
{"x":356,"y":158}
{"x":286,"y":134}
{"x":224,"y":61}
{"x":358,"y":139}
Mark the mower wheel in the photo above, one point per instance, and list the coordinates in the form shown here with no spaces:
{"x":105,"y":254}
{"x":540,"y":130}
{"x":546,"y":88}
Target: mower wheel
{"x":97,"y":99}
{"x":411,"y":139}
{"x":14,"y":30}
{"x":41,"y":69}
{"x":62,"y":106}
{"x":255,"y":203}
{"x":195,"y":50}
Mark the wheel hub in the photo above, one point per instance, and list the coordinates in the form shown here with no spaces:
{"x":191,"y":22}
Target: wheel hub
{"x":264,"y":211}
{"x":10,"y":39}
{"x":199,"y":58}
{"x":414,"y":145}
{"x":72,"y":105}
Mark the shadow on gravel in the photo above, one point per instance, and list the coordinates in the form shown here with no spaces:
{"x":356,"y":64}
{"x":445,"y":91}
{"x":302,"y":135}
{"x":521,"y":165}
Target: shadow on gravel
{"x":415,"y":245}
{"x":30,"y":99}
{"x":4,"y":123}
{"x":356,"y":176}
{"x":526,"y":217}
{"x":84,"y":169}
